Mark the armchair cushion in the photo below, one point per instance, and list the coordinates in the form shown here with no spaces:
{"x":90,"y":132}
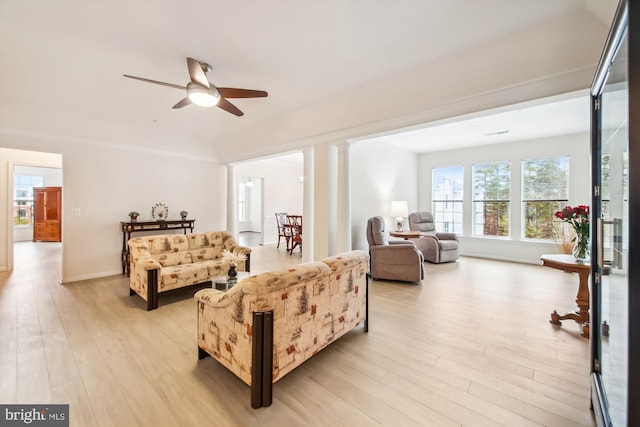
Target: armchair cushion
{"x":375,"y":232}
{"x":422,"y":221}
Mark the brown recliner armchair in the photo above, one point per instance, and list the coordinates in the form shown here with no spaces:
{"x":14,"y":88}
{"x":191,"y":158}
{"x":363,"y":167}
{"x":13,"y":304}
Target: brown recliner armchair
{"x":435,"y":246}
{"x":392,"y":260}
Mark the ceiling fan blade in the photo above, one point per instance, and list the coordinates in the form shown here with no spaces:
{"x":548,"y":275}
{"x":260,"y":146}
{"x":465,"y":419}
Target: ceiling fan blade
{"x":227,"y":106}
{"x":232,"y":92}
{"x":183,"y":103}
{"x":195,"y":72}
{"x":156,"y":82}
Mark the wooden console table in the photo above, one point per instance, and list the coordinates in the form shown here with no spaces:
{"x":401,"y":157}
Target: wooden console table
{"x":128,"y":228}
{"x":570,"y":264}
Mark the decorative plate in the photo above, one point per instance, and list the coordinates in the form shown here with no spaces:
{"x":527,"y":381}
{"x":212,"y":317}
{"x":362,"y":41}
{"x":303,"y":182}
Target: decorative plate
{"x":159,"y":212}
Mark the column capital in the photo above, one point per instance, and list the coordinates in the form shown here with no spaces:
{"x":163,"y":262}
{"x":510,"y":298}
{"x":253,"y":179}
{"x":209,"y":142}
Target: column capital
{"x":344,"y":146}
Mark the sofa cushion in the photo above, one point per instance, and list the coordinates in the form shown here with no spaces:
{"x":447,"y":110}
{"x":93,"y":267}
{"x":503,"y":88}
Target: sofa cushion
{"x":168,"y":243}
{"x":215,"y":267}
{"x":211,"y":239}
{"x":169,"y":259}
{"x":205,"y":254}
{"x":169,"y":250}
{"x":182,"y":275}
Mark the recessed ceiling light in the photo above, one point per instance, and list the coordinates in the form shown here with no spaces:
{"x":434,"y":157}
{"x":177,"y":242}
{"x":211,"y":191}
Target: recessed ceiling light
{"x":500,"y":132}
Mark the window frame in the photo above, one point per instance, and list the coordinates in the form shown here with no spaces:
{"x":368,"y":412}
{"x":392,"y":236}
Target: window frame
{"x":24,"y":203}
{"x":475,"y":201}
{"x":453,"y":201}
{"x":561,"y":202}
{"x":242,"y":202}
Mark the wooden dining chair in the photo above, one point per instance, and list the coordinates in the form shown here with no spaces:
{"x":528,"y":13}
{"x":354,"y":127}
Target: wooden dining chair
{"x":283,"y":228}
{"x":295,"y":225}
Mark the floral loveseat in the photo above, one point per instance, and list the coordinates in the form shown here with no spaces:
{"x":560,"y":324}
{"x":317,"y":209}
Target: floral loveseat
{"x":269,"y":324}
{"x":170,"y":261}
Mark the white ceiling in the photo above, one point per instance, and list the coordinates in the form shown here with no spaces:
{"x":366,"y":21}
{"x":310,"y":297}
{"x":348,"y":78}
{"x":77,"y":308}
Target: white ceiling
{"x":61,"y":62}
{"x":561,"y":115}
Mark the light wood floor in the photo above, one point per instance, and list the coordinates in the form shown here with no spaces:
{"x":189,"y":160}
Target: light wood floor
{"x":470,"y":346}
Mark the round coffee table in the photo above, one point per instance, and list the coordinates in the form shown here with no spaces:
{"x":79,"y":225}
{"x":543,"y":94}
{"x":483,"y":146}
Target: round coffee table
{"x":223,"y":283}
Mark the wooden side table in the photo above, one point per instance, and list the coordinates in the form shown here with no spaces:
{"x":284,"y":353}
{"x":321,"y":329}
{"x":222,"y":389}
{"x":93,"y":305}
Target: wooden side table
{"x":570,"y":264}
{"x":406,"y":235}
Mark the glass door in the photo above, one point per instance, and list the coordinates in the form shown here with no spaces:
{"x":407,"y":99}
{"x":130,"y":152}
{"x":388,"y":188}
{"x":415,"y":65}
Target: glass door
{"x":613,"y":243}
{"x":615,"y":265}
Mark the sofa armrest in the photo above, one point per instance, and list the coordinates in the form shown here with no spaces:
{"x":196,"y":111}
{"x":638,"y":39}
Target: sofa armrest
{"x":213,"y":297}
{"x":246,"y":264}
{"x":401,"y":242}
{"x":242,"y":249}
{"x":447,"y":236}
{"x":397,"y":262}
{"x":147,"y":264}
{"x":405,"y":251}
{"x":225,"y":329}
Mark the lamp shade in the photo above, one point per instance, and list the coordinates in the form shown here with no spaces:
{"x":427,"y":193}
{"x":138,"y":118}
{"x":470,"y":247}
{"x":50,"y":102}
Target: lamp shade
{"x":399,"y":209}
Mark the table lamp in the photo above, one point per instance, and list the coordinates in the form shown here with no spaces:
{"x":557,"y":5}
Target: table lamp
{"x":399,"y":210}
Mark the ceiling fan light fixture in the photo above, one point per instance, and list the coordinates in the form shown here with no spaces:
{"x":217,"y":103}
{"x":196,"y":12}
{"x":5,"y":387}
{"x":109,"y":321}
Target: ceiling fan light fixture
{"x":205,"y":97}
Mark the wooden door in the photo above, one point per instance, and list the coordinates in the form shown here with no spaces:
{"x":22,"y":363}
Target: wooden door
{"x":39,"y":202}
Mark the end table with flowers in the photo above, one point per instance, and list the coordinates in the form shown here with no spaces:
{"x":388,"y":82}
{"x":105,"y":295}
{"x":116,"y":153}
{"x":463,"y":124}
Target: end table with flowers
{"x":233,"y":259}
{"x":578,"y":218}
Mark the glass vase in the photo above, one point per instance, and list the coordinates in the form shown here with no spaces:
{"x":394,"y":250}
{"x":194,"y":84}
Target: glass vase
{"x":581,"y":248}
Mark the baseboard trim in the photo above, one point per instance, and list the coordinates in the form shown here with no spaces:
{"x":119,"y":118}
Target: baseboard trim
{"x":73,"y":279}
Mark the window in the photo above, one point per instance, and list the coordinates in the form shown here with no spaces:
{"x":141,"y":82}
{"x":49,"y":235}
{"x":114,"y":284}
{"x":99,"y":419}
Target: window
{"x":544,"y":191}
{"x":242,"y":202}
{"x":491,"y":182}
{"x":23,"y":198}
{"x":446,"y":195}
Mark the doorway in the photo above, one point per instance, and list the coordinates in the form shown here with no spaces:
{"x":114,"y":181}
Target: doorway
{"x":25,"y":170}
{"x":250,"y":211}
{"x":277,"y":181}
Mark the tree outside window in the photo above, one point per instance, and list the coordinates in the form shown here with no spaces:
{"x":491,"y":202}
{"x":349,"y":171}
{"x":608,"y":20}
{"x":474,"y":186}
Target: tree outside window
{"x":446,"y":195}
{"x":545,"y":184}
{"x":491,"y":199}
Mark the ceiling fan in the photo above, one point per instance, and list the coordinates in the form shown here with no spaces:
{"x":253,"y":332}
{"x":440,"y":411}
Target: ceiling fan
{"x":201,"y":92}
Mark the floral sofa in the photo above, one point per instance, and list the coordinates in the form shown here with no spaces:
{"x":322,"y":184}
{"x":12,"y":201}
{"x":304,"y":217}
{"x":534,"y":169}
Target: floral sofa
{"x":269,"y":324}
{"x":170,"y":261}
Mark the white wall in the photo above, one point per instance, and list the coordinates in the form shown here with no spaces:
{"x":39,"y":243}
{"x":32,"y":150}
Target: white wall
{"x":515,"y":249}
{"x":282,"y":189}
{"x":105,"y":182}
{"x":379,"y":175}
